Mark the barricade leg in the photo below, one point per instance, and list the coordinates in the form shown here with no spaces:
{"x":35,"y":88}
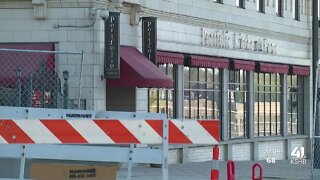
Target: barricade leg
{"x":230,"y":170}
{"x":215,"y":168}
{"x":130,"y":162}
{"x":22,"y":162}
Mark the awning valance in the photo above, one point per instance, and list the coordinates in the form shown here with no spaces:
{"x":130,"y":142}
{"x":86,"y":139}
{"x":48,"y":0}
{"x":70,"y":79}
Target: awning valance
{"x":207,"y":62}
{"x":273,"y":68}
{"x":300,"y":70}
{"x":245,"y":65}
{"x":138,"y":71}
{"x":169,"y":58}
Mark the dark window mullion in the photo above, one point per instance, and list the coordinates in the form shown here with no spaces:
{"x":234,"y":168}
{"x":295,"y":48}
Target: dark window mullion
{"x":206,"y":94}
{"x":258,"y":96}
{"x":264,"y":104}
{"x":190,"y":93}
{"x":270,"y":106}
{"x":244,"y":102}
{"x":198,"y":93}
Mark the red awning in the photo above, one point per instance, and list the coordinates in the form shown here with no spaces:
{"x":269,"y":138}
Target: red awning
{"x":274,"y":68}
{"x":208,"y":62}
{"x":28,"y":62}
{"x":245,"y":65}
{"x":300,"y":70}
{"x":169,"y":58}
{"x":138,"y":71}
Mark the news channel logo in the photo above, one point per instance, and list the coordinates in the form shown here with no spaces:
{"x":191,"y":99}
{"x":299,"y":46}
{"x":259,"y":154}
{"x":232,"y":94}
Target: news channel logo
{"x":298,"y":156}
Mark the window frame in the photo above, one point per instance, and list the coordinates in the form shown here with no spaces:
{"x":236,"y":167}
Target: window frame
{"x":188,"y":89}
{"x":243,"y":84}
{"x":265,"y":111}
{"x":298,"y":96}
{"x":158,"y":90}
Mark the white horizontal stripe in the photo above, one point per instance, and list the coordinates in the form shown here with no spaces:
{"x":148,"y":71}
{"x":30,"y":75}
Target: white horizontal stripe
{"x":90,"y":131}
{"x":194,"y":131}
{"x":37,"y":131}
{"x":142,"y":131}
{"x":2,"y":140}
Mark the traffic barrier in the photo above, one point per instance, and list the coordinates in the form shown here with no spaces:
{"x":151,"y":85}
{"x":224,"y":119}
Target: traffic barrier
{"x":215,"y":158}
{"x":106,"y":131}
{"x":30,"y":133}
{"x":230,"y":170}
{"x":257,"y":165}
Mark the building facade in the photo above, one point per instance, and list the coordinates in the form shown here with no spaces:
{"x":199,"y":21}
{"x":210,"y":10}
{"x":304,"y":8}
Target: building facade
{"x":244,"y":62}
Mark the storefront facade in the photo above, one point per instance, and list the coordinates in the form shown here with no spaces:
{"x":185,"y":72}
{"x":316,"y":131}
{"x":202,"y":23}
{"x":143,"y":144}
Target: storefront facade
{"x":246,"y":63}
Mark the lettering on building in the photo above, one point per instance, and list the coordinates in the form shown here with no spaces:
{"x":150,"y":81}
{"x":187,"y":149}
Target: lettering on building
{"x":112,"y":46}
{"x":149,"y":38}
{"x":233,"y":40}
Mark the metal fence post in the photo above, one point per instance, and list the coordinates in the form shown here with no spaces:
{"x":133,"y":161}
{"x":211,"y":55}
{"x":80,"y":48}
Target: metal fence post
{"x":29,"y":88}
{"x":65,"y":89}
{"x":22,"y":162}
{"x":18,"y":86}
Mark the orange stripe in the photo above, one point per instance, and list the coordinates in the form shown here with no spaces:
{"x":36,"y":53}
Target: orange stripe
{"x":175,"y":135}
{"x":212,"y":126}
{"x":64,"y":131}
{"x":117,"y":131}
{"x":12,"y":133}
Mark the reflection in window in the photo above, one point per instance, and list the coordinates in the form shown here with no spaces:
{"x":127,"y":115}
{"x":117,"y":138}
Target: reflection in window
{"x":201,"y":93}
{"x":267,"y":104}
{"x":237,"y":104}
{"x":294,"y":92}
{"x":161,"y":100}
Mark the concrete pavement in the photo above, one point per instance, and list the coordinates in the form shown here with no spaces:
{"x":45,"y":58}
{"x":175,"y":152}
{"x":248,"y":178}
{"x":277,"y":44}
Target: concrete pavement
{"x":201,"y":171}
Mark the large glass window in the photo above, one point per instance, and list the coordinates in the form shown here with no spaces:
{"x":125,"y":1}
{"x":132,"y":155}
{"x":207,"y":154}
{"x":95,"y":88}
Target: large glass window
{"x":162,"y":100}
{"x":237,"y":103}
{"x":267,"y":95}
{"x":201,"y":93}
{"x":294,"y":96}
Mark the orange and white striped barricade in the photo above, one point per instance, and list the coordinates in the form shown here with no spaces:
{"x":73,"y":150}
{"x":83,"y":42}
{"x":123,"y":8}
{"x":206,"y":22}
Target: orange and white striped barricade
{"x":43,"y":126}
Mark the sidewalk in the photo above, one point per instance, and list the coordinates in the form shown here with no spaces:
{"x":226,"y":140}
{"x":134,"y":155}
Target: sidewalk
{"x":201,"y":171}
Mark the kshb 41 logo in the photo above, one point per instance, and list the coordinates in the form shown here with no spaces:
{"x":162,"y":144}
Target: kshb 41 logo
{"x":298,"y":156}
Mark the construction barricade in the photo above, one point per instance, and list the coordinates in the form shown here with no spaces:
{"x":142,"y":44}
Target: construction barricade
{"x":57,"y":134}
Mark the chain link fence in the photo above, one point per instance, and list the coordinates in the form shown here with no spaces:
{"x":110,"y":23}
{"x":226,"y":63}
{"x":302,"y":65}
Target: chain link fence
{"x":41,"y":79}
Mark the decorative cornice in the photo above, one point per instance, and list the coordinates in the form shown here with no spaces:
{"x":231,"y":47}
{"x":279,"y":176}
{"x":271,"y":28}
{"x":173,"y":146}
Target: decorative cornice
{"x":209,"y":23}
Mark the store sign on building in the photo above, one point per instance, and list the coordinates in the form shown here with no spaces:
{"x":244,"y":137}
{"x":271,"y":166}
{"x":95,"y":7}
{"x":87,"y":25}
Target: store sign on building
{"x":149,"y":38}
{"x":234,"y":40}
{"x":112,"y":46}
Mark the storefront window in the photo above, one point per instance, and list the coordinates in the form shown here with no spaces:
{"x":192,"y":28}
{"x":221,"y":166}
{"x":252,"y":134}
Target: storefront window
{"x":201,"y":93}
{"x":294,"y":96}
{"x":237,"y":92}
{"x":161,"y":100}
{"x":267,"y":104}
